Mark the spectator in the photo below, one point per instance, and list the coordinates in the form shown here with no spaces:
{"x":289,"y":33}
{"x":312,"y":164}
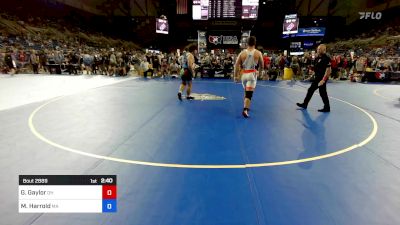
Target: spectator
{"x":88,"y":62}
{"x":174,"y":69}
{"x":10,"y":62}
{"x":34,"y":59}
{"x":113,"y":64}
{"x":295,"y":66}
{"x":144,"y":66}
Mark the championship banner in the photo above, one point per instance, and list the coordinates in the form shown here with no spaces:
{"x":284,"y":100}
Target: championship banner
{"x":245,"y":36}
{"x":202,"y":41}
{"x":290,"y":24}
{"x":162,"y":26}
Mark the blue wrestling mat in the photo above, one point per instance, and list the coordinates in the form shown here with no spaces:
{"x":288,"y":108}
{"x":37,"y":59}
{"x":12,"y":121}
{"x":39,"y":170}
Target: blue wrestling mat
{"x":200,"y":162}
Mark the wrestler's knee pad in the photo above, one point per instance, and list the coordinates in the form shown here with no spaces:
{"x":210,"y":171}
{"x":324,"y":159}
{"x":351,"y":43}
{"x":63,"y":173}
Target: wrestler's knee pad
{"x":249,"y":94}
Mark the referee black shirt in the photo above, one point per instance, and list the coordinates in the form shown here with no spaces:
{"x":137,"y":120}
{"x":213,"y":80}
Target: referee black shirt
{"x":321,"y":63}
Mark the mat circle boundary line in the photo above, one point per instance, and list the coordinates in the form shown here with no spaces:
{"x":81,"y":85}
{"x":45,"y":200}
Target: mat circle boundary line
{"x":372,"y":134}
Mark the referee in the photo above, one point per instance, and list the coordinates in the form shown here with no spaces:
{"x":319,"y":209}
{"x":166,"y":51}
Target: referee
{"x":322,"y":71}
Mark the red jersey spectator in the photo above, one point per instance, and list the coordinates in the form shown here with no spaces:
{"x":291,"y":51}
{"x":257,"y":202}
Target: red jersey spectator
{"x":267,"y":61}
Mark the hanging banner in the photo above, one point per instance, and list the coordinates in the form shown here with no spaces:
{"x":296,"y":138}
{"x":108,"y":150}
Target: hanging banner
{"x":202,"y":41}
{"x":223,"y":39}
{"x":290,"y":24}
{"x":311,"y":31}
{"x":308,"y":32}
{"x":243,"y":41}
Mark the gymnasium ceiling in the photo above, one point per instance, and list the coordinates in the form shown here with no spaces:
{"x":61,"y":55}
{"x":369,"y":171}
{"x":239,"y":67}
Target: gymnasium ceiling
{"x":117,"y":7}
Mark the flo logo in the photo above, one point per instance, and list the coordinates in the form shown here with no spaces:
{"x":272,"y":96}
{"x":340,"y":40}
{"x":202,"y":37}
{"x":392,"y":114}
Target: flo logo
{"x":370,"y":15}
{"x":215,"y":39}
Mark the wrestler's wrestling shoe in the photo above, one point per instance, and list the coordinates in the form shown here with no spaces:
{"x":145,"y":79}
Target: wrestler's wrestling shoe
{"x":245,"y":114}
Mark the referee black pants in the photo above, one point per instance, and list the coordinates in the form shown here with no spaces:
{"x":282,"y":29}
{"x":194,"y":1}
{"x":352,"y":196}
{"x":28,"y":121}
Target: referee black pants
{"x":322,"y":93}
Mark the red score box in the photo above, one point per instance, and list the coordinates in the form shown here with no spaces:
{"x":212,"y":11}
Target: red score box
{"x":109,"y":191}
